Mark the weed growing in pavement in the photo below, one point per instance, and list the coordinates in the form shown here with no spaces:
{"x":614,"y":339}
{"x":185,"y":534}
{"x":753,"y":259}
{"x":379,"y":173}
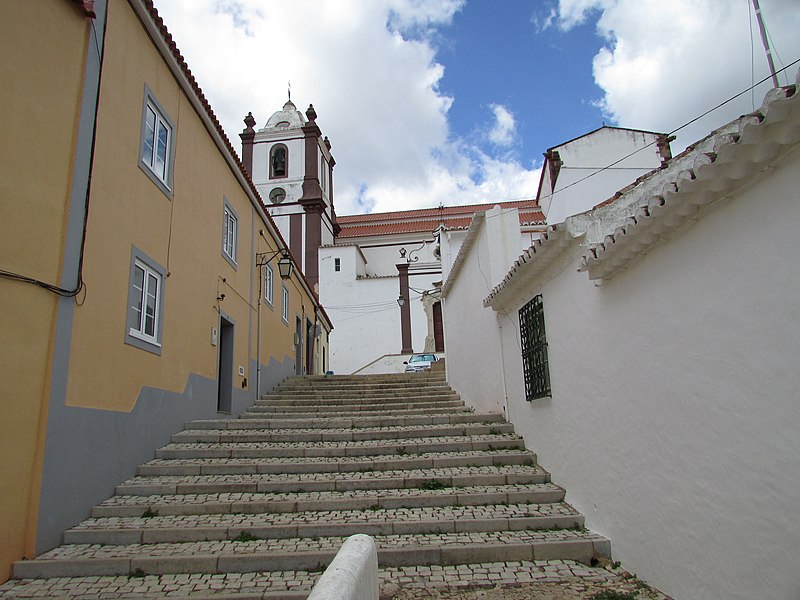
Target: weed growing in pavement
{"x":136,"y":573}
{"x":245,"y":536}
{"x":402,"y":451}
{"x":432,"y":484}
{"x":375,"y":507}
{"x":149,"y":513}
{"x":613,"y":595}
{"x":529,"y":462}
{"x":494,"y":431}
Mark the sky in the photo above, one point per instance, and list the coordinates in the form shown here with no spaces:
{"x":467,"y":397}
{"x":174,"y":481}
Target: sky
{"x":455,"y":101}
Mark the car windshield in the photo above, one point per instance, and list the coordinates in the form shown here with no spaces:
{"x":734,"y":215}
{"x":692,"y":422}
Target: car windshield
{"x":422,"y":358}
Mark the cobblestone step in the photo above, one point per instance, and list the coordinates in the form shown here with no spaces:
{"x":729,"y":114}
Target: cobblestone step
{"x":351,"y":464}
{"x":334,"y":481}
{"x":351,"y":420}
{"x":349,"y":434}
{"x":310,"y":412}
{"x":354,"y":411}
{"x":354,"y":448}
{"x":387,"y":402}
{"x":361,"y":499}
{"x":296,"y":585}
{"x":303,"y":554}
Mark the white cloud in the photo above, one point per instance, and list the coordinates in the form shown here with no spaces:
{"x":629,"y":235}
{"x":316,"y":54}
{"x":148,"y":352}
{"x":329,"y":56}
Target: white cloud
{"x":369,"y":68}
{"x":667,"y":61}
{"x":503,"y":132}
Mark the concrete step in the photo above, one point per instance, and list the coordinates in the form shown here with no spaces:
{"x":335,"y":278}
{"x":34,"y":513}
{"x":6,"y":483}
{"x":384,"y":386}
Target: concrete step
{"x":255,"y":554}
{"x":333,"y":481}
{"x":357,"y":499}
{"x":353,"y":433}
{"x":321,"y":465}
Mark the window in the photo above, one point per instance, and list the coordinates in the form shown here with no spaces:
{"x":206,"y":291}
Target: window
{"x":278,"y":161}
{"x":534,"y":350}
{"x":337,"y":264}
{"x":157,"y":144}
{"x":285,"y":307}
{"x":230,"y":225}
{"x":269,"y":284}
{"x":145,"y":303}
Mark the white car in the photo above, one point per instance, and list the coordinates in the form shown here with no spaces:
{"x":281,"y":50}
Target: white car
{"x":419,"y":362}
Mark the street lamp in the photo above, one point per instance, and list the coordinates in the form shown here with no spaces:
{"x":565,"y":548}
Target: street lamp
{"x":401,"y":301}
{"x":285,"y":269}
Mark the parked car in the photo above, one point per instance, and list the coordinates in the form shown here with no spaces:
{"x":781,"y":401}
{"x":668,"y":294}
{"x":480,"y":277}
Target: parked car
{"x":419,"y":362}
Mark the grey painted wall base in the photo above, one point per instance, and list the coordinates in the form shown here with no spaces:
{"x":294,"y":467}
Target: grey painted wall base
{"x":89,"y":451}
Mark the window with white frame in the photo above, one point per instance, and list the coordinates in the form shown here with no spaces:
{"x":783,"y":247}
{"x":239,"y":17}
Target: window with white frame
{"x":145,"y":303}
{"x":285,"y":307}
{"x":156,"y":149}
{"x":230,"y":231}
{"x":269,"y":284}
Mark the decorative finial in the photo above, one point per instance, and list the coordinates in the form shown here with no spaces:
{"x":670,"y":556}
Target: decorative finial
{"x":311,"y":113}
{"x":249,"y":121}
{"x":327,"y":142}
{"x":290,"y":91}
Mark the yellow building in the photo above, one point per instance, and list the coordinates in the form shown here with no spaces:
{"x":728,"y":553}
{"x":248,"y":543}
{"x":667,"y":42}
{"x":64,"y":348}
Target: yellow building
{"x":140,"y":277}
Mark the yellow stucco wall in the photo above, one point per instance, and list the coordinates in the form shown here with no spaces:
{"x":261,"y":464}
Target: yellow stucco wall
{"x":47,"y":38}
{"x":183,"y":234}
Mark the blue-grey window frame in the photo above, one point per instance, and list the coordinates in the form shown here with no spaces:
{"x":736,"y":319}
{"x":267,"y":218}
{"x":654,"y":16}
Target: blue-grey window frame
{"x":227,"y":207}
{"x":164,"y":185}
{"x":269,"y":298}
{"x":285,"y":304}
{"x":130,"y":321}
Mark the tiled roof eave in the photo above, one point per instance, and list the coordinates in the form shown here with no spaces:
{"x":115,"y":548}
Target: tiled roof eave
{"x":712,"y":172}
{"x":530,"y":264}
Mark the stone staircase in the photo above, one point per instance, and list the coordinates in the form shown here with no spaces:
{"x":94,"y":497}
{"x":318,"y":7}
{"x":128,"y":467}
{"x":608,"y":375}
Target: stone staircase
{"x":256,"y":507}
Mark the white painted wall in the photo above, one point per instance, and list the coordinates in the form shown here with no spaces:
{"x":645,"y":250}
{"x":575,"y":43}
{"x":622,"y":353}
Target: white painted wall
{"x":588,"y":155}
{"x":471,"y":332}
{"x":674,"y":422}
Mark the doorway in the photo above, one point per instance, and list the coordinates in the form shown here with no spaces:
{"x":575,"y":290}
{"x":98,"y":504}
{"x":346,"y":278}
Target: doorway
{"x":298,"y":348}
{"x":225,"y":366}
{"x":438,"y":328}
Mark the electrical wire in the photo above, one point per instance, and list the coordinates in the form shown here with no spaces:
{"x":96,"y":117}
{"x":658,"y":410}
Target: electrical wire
{"x":80,"y":285}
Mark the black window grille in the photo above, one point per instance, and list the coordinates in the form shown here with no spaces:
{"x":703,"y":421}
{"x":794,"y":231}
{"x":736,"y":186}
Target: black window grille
{"x":534,"y":350}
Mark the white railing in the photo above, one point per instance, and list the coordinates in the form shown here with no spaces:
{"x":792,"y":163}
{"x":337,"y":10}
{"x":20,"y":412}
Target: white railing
{"x":353,"y":573}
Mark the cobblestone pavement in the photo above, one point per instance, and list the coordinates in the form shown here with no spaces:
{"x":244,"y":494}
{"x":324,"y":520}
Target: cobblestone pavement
{"x":536,"y":580}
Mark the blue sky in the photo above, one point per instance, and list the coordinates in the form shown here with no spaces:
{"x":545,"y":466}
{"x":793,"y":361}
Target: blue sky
{"x":454,"y":101}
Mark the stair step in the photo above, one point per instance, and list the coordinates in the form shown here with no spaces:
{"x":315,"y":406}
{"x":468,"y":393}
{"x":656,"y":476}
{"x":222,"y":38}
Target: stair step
{"x":346,"y":464}
{"x":367,"y":402}
{"x":275,"y":412}
{"x":334,"y":421}
{"x":333,"y":481}
{"x":355,"y":448}
{"x":341,"y":434}
{"x":259,"y":555}
{"x":296,"y":585}
{"x":357,"y":499}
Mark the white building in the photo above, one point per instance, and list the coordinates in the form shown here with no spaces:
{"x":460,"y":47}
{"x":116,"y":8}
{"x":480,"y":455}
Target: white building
{"x":646,"y":349}
{"x":292,"y":166}
{"x":364,"y":274}
{"x":602,"y":161}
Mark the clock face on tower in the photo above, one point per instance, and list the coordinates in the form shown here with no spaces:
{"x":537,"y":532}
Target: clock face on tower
{"x":277,"y":195}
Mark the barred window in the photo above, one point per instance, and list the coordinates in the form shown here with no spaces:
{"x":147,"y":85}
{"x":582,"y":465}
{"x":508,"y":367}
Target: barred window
{"x":534,"y":350}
